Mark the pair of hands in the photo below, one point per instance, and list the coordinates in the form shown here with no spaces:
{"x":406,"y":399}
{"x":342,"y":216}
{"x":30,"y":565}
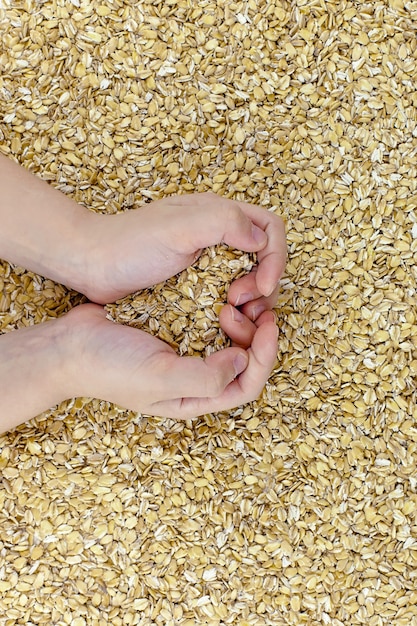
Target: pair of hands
{"x":140,"y":248}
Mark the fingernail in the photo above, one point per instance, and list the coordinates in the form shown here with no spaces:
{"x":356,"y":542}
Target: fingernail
{"x":237,"y":316}
{"x":257,"y":310}
{"x":243,"y":298}
{"x":258,"y":234}
{"x":240,"y":362}
{"x":271,"y":289}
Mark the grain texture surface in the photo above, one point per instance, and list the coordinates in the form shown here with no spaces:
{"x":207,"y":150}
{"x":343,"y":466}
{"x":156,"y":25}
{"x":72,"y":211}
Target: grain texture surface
{"x":300,"y":508}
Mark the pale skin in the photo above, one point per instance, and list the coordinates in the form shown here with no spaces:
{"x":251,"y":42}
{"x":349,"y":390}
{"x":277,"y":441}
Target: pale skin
{"x":107,"y":257}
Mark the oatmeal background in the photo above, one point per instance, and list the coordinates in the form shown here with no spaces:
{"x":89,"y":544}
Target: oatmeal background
{"x":300,"y":508}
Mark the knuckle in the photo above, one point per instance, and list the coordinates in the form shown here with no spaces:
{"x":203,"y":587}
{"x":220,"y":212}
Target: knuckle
{"x":233,"y":212}
{"x":281,"y":223}
{"x":215,"y":384}
{"x":254,"y":391}
{"x":207,"y":196}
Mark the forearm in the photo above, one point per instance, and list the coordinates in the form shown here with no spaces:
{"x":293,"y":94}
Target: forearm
{"x":33,"y":377}
{"x":42,"y":229}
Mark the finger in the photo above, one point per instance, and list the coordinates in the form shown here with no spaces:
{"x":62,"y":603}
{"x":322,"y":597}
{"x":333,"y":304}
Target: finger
{"x":245,"y":289}
{"x":255,"y":308}
{"x":267,"y":316}
{"x":245,"y":388}
{"x":239,"y":327}
{"x":262,"y":357}
{"x":273,"y":257}
{"x":197,"y":377}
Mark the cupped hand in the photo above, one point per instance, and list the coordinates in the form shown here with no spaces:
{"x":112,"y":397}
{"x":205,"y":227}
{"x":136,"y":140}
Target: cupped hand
{"x":145,"y":246}
{"x":137,"y":371}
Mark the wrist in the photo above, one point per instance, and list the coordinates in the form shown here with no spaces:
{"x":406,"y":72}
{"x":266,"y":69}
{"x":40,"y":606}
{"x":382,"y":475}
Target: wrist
{"x":116,"y":256}
{"x":33,"y":370}
{"x":80,"y":348}
{"x":96,"y":257}
{"x":60,"y":360}
{"x":75,"y":262}
{"x":42,"y":229}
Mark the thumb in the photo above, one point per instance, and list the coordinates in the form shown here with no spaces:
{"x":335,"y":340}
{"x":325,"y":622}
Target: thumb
{"x":236,"y":229}
{"x":214,"y":219}
{"x":193,"y":377}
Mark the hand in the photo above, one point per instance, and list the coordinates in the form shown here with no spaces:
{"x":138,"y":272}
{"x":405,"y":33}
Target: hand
{"x":139,"y":372}
{"x":107,"y":257}
{"x":142,"y":247}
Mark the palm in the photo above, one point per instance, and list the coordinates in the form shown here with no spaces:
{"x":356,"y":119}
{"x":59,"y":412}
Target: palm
{"x":153,"y":250}
{"x":122,"y":354}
